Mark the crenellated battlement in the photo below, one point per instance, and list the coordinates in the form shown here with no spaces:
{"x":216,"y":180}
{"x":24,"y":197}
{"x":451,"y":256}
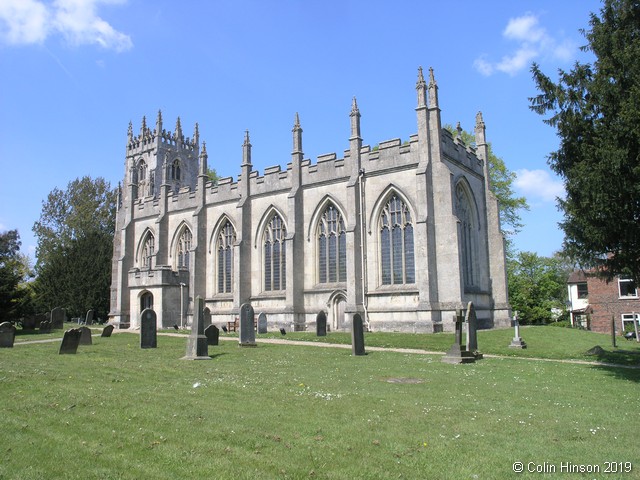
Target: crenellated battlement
{"x":148,"y":138}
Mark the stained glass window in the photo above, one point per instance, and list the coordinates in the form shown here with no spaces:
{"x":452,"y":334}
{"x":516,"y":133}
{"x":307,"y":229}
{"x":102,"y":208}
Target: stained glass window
{"x":397,"y":257}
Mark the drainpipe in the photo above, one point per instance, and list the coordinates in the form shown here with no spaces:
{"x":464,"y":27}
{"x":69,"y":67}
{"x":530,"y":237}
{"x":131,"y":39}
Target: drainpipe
{"x":182,"y":285}
{"x":362,"y":249}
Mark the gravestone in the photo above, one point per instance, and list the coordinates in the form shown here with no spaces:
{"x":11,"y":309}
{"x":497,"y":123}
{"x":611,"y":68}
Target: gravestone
{"x":148,"y":329}
{"x":517,"y":341}
{"x":357,"y":336}
{"x":7,"y":334}
{"x":107,"y":331}
{"x":197,"y":343}
{"x":321,"y":324}
{"x":88,"y":319}
{"x":456,"y":353}
{"x":472,"y":331}
{"x":85,"y":336}
{"x":70,"y":341}
{"x":247,"y":333}
{"x":45,"y":326}
{"x":213,"y":334}
{"x":206,"y":317}
{"x":58,"y":316}
{"x":262,"y":323}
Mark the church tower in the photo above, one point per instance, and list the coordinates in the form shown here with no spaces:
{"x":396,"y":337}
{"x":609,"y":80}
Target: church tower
{"x":158,"y":163}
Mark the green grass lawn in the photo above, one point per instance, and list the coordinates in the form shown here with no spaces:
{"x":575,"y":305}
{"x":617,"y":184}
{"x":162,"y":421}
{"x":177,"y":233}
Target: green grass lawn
{"x":115,"y":411}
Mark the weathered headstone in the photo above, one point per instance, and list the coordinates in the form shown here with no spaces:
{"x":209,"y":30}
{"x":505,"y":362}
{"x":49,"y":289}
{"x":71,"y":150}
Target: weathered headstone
{"x":148,"y":329}
{"x":197,"y":343}
{"x":456,"y":353}
{"x":321,"y":324}
{"x":357,"y":336}
{"x":70,"y":341}
{"x":262,"y":323}
{"x":45,"y":326}
{"x":58,"y":316}
{"x":472,"y":331}
{"x":85,"y":336}
{"x":247,"y":332}
{"x":107,"y":331}
{"x":88,"y":319}
{"x":206,"y":317}
{"x":7,"y":334}
{"x":517,"y":341}
{"x":213,"y":335}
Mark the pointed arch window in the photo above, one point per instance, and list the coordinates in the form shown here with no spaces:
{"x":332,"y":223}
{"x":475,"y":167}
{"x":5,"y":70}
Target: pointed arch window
{"x":175,"y":170}
{"x":468,"y":237}
{"x":184,"y":248}
{"x":224,"y":248}
{"x":147,"y":252}
{"x":275,"y":255}
{"x":142,"y":171}
{"x":396,"y":243}
{"x":332,"y":247}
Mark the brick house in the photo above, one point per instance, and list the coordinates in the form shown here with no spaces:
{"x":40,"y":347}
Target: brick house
{"x":594,"y":301}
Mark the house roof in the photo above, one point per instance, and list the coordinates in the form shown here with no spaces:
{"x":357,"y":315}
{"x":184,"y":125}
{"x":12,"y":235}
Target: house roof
{"x":577,"y":276}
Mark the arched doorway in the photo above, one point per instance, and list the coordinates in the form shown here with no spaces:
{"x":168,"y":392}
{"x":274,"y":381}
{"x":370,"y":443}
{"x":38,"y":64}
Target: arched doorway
{"x":337,"y":312}
{"x":146,"y":301}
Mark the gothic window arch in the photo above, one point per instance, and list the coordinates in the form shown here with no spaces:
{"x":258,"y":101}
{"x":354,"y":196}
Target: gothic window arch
{"x":332,"y":247}
{"x":397,"y":261}
{"x":224,"y":250}
{"x":183,"y":248}
{"x":468,"y":236}
{"x":142,"y":171}
{"x":147,"y":251}
{"x":175,"y":170}
{"x":275,"y":254}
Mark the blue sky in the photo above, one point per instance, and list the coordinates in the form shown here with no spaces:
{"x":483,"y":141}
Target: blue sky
{"x":75,"y":72}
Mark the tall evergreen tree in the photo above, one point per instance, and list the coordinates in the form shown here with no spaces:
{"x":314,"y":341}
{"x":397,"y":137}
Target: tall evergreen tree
{"x":75,"y":246}
{"x":595,"y":109}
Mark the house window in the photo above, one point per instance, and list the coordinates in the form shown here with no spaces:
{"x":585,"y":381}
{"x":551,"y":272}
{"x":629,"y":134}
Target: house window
{"x":275,"y":255}
{"x":627,"y":321}
{"x":332,"y":247}
{"x":396,"y":243}
{"x":224,"y":247}
{"x":184,"y":248}
{"x":583,"y":291}
{"x":627,"y":288}
{"x":148,"y":249}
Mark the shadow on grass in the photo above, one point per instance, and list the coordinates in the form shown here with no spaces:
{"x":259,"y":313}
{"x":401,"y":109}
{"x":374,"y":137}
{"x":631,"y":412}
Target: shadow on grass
{"x":622,"y":373}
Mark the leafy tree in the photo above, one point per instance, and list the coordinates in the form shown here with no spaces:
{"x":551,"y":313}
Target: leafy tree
{"x":14,"y":271}
{"x":537,"y":286}
{"x":75,"y":246}
{"x":213,"y":175}
{"x":595,"y":109}
{"x":86,"y":206}
{"x":501,"y":180}
{"x":78,"y":276}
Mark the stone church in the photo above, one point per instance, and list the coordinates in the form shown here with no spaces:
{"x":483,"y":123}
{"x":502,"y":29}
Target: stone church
{"x":402,"y":233}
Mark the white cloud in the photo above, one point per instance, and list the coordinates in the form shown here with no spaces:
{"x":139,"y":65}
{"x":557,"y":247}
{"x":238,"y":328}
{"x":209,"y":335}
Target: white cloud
{"x":532,"y":40}
{"x":539,"y":184}
{"x":25,"y":22}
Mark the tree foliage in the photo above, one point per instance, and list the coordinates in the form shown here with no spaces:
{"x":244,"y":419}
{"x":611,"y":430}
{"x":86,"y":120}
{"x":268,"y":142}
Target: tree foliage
{"x":501,"y":181}
{"x":14,"y":271}
{"x":75,"y":247}
{"x":537,"y":286}
{"x":86,"y":206}
{"x":78,"y":276}
{"x":595,"y":109}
